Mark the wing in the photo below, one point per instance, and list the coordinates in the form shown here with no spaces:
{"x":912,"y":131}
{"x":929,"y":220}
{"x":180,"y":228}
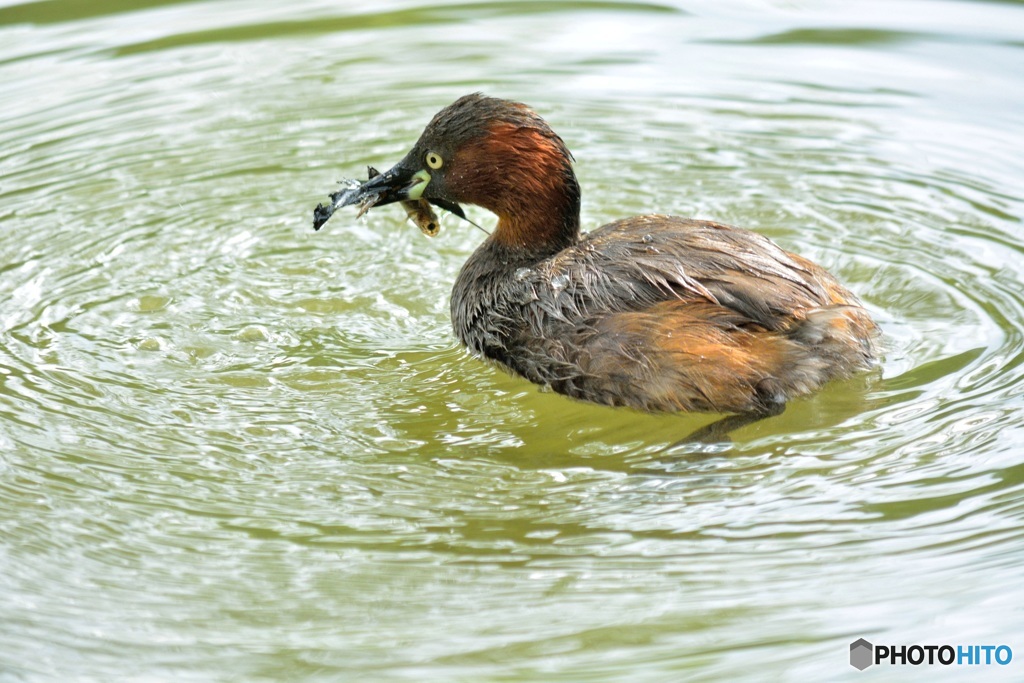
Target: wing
{"x":638,"y":262}
{"x":663,"y":313}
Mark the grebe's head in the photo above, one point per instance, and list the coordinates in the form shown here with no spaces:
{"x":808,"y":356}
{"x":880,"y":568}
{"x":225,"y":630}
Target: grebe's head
{"x":493,"y":153}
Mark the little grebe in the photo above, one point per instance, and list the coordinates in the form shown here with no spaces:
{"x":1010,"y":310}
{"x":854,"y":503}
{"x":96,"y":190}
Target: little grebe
{"x":655,"y":312}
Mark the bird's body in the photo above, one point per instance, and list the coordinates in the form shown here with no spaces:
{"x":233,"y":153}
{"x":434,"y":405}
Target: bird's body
{"x":664,"y":314}
{"x":654,"y":312}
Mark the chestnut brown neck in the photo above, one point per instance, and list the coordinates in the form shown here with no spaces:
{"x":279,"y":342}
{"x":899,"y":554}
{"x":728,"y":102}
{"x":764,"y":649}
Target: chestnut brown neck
{"x":544,"y":225}
{"x":526,"y":179}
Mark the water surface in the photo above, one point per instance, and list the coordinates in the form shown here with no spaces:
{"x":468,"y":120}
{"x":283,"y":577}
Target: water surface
{"x":235,"y":449}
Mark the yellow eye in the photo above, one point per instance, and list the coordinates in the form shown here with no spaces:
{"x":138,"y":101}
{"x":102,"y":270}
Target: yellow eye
{"x":434,"y":160}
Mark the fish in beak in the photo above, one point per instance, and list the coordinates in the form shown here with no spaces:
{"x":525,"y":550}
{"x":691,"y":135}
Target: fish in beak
{"x":399,"y":184}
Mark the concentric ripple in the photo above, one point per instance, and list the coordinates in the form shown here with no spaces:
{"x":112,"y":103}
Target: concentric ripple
{"x":235,"y":449}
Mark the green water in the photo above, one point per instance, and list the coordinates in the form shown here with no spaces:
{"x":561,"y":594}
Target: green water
{"x":233,"y":449}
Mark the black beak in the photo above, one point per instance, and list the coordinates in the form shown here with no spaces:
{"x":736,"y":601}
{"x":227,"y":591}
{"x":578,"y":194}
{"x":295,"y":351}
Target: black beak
{"x":450,"y":207}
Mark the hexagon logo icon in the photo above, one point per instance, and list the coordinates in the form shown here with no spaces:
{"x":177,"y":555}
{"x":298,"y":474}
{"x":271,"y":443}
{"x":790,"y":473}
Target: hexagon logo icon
{"x":861,"y":654}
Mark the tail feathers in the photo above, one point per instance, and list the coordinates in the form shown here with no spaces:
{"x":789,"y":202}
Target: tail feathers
{"x":843,"y":336}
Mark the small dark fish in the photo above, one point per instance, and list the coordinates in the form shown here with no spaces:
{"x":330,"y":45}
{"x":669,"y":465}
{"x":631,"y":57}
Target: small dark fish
{"x":323,"y":212}
{"x":420,"y":211}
